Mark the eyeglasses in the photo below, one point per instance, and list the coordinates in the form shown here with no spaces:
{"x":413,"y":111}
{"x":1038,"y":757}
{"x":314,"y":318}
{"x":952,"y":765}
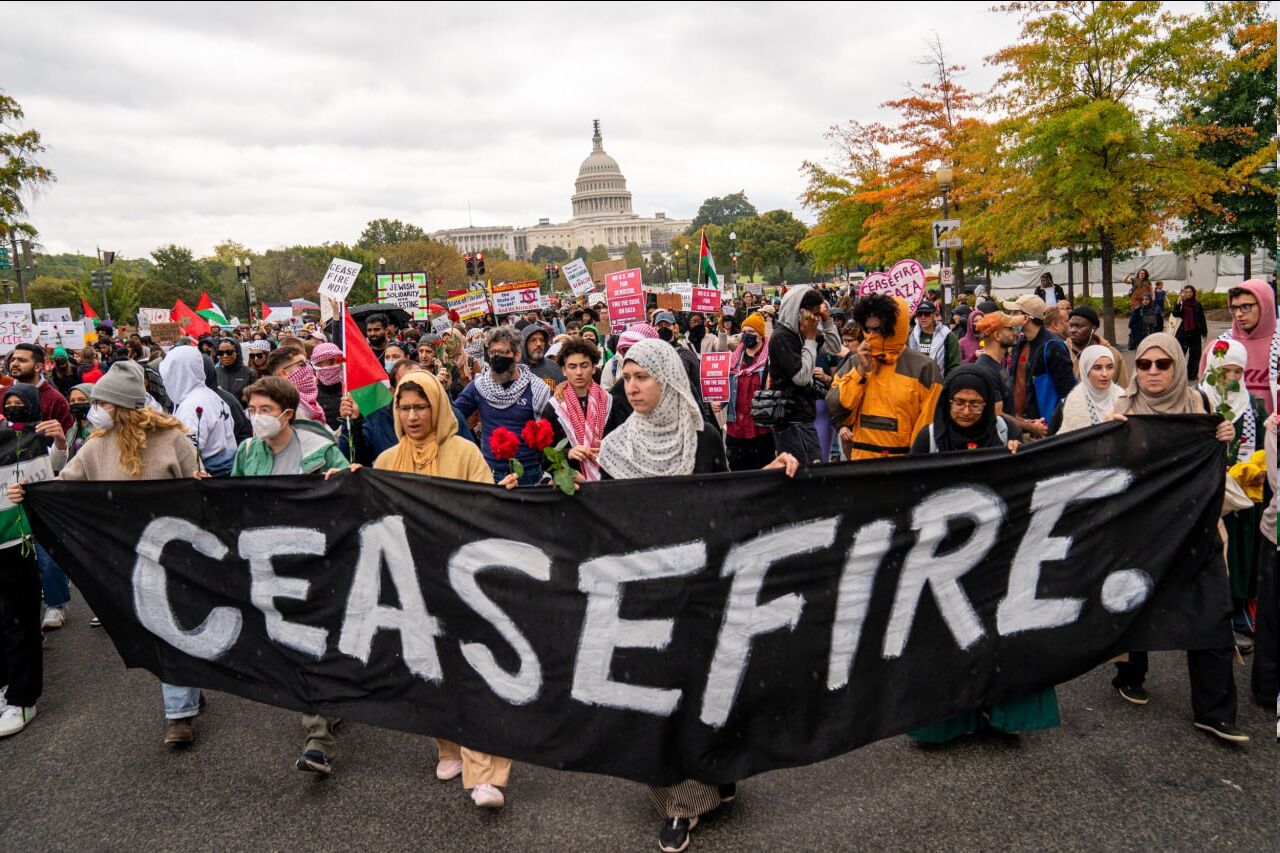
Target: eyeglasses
{"x":420,"y":409}
{"x":1243,"y":307}
{"x":969,"y":405}
{"x":295,"y":365}
{"x":1161,"y":364}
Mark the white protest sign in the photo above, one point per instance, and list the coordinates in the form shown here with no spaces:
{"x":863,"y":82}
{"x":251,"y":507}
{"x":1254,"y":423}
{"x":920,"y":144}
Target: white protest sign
{"x":34,"y":470}
{"x":441,"y":324}
{"x":14,"y":331}
{"x":580,"y":281}
{"x":147,"y":316}
{"x":407,"y":290}
{"x":515,"y":296}
{"x":685,"y":289}
{"x":68,"y":335}
{"x":905,"y":279}
{"x":16,"y":311}
{"x":339,"y":279}
{"x":53,"y":315}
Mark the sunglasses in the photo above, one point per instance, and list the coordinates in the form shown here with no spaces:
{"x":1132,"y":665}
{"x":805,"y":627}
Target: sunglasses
{"x":226,"y":352}
{"x":257,"y":355}
{"x":1161,"y":364}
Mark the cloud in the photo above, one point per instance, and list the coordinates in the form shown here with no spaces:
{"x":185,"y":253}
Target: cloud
{"x":297,"y":123}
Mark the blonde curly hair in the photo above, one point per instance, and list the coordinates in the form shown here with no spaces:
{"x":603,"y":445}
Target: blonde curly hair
{"x":132,"y":428}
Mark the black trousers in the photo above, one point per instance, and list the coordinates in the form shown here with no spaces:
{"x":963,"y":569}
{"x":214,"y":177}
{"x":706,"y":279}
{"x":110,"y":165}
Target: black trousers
{"x":800,"y":440}
{"x":1213,"y":681}
{"x":749,"y":454}
{"x":1265,"y":681}
{"x":21,"y":659}
{"x":1192,"y":345}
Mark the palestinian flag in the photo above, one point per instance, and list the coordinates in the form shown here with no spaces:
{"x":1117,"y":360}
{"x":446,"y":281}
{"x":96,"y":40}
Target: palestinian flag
{"x":707,"y":264}
{"x":189,"y":321}
{"x":209,"y":310}
{"x":366,"y":378}
{"x":280,"y":312}
{"x":89,"y":313}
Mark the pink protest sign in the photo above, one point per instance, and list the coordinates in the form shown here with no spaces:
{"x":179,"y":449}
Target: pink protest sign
{"x":625,"y":292}
{"x":706,"y":300}
{"x":714,"y":373}
{"x":905,"y":279}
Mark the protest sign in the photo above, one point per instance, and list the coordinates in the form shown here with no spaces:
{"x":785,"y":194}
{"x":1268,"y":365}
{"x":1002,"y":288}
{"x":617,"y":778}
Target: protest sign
{"x":165,"y":332}
{"x":53,"y":315}
{"x":407,"y":290}
{"x":469,"y":304}
{"x":69,"y":335}
{"x":601,"y":269}
{"x":339,"y":279}
{"x":515,"y":296}
{"x":16,"y":311}
{"x":15,"y":330}
{"x":626,"y":297}
{"x":705,"y":300}
{"x":754,"y":287}
{"x":580,"y":281}
{"x":849,"y":604}
{"x":147,"y":316}
{"x":441,"y":324}
{"x":685,"y":290}
{"x":669,"y":302}
{"x":905,"y":279}
{"x":714,"y":373}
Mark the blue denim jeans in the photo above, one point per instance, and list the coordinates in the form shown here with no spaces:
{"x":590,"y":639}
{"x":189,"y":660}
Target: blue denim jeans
{"x":53,"y":580}
{"x":532,"y":475}
{"x":180,"y":702}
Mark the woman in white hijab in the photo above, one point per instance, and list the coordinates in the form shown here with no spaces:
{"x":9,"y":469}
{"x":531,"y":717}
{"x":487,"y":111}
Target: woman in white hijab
{"x":1093,"y":398}
{"x":665,"y":436}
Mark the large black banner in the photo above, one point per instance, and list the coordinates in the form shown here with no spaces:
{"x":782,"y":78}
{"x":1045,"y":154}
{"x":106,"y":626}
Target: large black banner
{"x":703,"y":627}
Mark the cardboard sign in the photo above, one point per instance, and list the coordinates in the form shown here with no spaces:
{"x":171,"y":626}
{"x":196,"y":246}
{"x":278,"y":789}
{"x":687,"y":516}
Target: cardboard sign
{"x":515,"y":297}
{"x":69,"y":335}
{"x":601,"y":270}
{"x":625,"y":291}
{"x":407,"y":290}
{"x":714,"y":373}
{"x":705,"y":300}
{"x":580,"y":281}
{"x":53,"y":315}
{"x":14,"y":331}
{"x":165,"y":332}
{"x":469,"y":305}
{"x":339,"y":279}
{"x":670,"y":302}
{"x":147,"y":316}
{"x":905,"y":279}
{"x":16,"y":311}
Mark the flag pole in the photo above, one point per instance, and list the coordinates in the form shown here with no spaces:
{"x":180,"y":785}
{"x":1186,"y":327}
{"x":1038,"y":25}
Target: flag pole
{"x":702,"y":239}
{"x":351,"y":439}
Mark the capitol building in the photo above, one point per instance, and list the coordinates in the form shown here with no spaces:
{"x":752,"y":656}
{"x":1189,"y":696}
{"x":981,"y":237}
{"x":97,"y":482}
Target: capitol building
{"x":602,"y":215}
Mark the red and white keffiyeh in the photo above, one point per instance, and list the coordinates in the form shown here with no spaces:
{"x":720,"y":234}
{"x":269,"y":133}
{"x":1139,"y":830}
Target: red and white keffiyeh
{"x":585,"y":429}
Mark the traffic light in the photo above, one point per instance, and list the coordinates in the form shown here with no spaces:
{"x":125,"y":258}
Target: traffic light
{"x":479,"y":264}
{"x":471,"y":265}
{"x":4,"y":258}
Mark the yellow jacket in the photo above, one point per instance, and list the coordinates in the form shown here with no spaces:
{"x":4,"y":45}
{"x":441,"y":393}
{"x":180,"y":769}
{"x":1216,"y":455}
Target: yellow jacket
{"x":889,"y":405}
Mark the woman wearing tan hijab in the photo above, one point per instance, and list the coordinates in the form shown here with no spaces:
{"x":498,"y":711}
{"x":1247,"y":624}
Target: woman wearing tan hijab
{"x":1160,"y":387}
{"x":430,"y":445}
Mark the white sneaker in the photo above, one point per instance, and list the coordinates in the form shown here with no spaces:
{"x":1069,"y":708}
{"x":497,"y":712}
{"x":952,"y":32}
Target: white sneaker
{"x":53,"y":619}
{"x":14,"y":719}
{"x":3,"y":689}
{"x":487,"y":797}
{"x":447,"y":770}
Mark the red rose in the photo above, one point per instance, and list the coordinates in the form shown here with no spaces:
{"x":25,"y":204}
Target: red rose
{"x":538,"y":434}
{"x":503,"y":443}
{"x":1220,"y":348}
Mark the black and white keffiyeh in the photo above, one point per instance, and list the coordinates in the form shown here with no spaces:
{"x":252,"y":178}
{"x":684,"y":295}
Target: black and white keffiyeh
{"x":505,"y":396}
{"x":664,"y":442}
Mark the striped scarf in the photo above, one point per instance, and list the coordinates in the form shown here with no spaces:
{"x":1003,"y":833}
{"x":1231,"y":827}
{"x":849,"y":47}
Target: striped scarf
{"x":585,"y":429}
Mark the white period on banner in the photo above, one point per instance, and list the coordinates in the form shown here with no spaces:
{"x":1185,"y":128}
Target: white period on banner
{"x":580,"y":281}
{"x":339,"y":279}
{"x":53,"y":315}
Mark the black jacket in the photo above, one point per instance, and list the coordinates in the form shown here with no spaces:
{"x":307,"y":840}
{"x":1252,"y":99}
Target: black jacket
{"x":1047,"y":354}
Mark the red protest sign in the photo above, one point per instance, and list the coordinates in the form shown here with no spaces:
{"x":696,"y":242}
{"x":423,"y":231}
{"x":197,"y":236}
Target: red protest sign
{"x":625,"y":292}
{"x":706,"y":300}
{"x":714,"y":373}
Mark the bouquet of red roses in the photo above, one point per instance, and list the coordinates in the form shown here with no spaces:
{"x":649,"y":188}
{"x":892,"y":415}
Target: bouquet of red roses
{"x":503,"y":444}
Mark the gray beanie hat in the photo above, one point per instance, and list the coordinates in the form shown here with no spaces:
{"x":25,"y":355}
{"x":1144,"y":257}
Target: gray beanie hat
{"x":124,"y":385}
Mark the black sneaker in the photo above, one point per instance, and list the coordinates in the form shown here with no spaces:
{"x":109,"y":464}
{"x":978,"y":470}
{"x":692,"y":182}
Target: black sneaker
{"x":314,"y":761}
{"x":1135,"y":693}
{"x":674,"y":836}
{"x":728,"y":793}
{"x":1226,"y":731}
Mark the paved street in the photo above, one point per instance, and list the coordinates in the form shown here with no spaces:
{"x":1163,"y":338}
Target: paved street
{"x":91,"y":773}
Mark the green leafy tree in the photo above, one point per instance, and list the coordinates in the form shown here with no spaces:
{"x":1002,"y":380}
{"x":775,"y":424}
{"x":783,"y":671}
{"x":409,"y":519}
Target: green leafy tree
{"x":581,"y":253}
{"x":722,"y":211}
{"x":387,"y":232}
{"x":21,"y":175}
{"x":769,"y":241}
{"x":597,"y":253}
{"x":633,"y":257}
{"x":551,"y":255}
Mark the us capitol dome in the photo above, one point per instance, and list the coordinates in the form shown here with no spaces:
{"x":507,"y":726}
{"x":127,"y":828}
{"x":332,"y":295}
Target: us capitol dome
{"x":602,"y":215}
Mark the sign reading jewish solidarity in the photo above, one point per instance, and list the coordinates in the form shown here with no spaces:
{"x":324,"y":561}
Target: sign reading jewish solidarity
{"x":580,"y":281}
{"x":407,"y":290}
{"x":339,"y":279}
{"x":626,"y":297}
{"x":905,"y":279}
{"x":706,"y":627}
{"x":516,"y":296}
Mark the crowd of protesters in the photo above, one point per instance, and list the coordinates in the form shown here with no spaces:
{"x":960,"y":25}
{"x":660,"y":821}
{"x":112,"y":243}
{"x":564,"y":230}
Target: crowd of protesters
{"x":817,"y":375}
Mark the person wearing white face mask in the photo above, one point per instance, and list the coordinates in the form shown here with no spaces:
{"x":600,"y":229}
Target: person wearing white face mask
{"x":284,"y":445}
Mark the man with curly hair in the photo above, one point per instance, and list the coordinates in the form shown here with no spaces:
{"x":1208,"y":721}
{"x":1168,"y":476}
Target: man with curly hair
{"x":892,"y":390}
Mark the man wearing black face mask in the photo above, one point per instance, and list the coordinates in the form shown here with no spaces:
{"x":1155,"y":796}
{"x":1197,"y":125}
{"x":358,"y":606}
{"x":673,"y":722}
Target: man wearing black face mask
{"x":26,"y":364}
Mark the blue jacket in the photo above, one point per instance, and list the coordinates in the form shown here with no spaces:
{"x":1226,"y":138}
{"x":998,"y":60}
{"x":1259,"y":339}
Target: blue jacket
{"x":377,"y":432}
{"x":514,"y":417}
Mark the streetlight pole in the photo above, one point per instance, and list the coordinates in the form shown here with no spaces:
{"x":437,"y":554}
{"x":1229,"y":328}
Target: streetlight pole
{"x":944,"y":176}
{"x":733,"y":256}
{"x":244,"y":274}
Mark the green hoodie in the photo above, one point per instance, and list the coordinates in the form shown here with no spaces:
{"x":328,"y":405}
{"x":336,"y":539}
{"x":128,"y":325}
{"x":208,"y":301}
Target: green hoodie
{"x":319,"y":452}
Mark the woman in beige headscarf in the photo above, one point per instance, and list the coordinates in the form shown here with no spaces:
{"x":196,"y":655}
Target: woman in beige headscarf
{"x":430,"y":445}
{"x":1160,"y":387}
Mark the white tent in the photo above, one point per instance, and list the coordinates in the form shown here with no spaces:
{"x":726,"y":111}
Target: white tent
{"x":1206,"y":273}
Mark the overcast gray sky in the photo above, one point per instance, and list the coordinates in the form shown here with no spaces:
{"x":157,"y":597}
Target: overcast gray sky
{"x":297,"y":123}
